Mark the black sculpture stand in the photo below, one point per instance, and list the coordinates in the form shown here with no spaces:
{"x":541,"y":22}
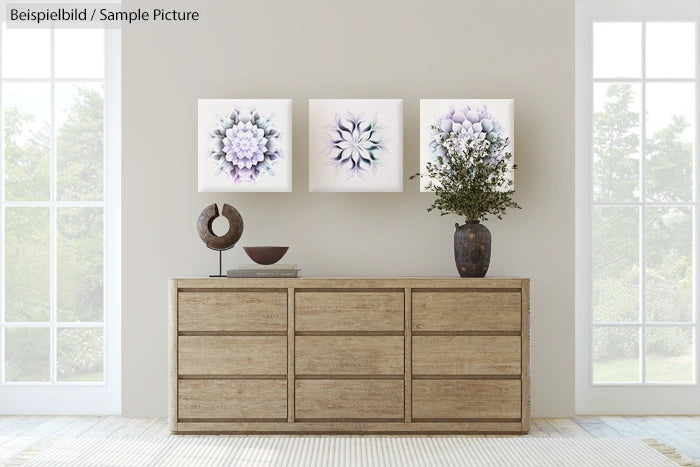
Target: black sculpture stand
{"x":221,"y":271}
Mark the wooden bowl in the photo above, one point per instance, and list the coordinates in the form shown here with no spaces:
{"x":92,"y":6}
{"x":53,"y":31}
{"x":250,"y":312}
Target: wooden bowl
{"x":265,"y":254}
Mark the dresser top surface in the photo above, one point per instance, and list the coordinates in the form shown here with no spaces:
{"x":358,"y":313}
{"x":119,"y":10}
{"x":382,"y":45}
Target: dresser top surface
{"x":354,"y":282}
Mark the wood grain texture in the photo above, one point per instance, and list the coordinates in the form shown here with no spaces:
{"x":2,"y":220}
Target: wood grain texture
{"x":349,"y":399}
{"x":349,"y":311}
{"x":291,"y":317}
{"x":335,"y":345}
{"x":346,"y":355}
{"x":232,"y":311}
{"x":340,"y":427}
{"x":211,"y":399}
{"x":352,"y":282}
{"x":232,"y":355}
{"x":172,"y":354}
{"x":525,"y":355}
{"x":466,"y":311}
{"x":408,"y":407}
{"x":465,"y":355}
{"x":461,"y":399}
{"x":234,"y":377}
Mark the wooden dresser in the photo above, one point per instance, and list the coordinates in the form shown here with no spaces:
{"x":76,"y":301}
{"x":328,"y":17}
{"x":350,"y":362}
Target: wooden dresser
{"x":350,"y":355}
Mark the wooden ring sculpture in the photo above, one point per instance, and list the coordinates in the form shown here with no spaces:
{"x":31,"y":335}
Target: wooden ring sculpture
{"x":229,"y":239}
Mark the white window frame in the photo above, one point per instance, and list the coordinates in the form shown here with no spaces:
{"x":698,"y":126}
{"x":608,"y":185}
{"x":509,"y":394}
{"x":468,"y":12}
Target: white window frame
{"x":631,"y":398}
{"x":78,"y":398}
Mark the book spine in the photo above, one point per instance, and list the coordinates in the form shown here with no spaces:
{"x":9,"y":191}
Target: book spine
{"x":256,"y":273}
{"x":267,"y":267}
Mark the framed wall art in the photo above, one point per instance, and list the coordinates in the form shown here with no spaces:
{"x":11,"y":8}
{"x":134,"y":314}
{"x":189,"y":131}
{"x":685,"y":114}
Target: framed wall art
{"x":356,"y":145}
{"x":244,"y":145}
{"x":465,"y":120}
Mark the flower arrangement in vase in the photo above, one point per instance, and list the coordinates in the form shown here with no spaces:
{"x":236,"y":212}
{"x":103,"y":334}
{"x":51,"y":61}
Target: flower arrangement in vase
{"x":471,"y":175}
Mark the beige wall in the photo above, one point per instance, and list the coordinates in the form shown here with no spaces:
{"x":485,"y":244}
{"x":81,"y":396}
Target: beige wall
{"x":347,"y":49}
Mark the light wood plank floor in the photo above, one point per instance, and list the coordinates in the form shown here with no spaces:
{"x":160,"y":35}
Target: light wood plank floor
{"x":17,"y":433}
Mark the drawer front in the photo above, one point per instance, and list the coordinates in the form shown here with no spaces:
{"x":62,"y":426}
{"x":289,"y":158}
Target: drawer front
{"x":348,"y":355}
{"x":349,"y":399}
{"x":348,"y":311}
{"x":232,"y":311}
{"x":240,"y":399}
{"x":466,"y":311}
{"x":466,"y":399}
{"x":232,"y":355}
{"x":466,"y":355}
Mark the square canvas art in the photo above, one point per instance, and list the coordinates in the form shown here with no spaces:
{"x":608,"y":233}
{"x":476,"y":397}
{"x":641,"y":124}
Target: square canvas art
{"x":490,"y":119}
{"x":245,"y":145}
{"x":355,"y":145}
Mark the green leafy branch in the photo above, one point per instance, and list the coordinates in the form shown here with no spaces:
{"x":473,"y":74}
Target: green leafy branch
{"x":469,"y":181}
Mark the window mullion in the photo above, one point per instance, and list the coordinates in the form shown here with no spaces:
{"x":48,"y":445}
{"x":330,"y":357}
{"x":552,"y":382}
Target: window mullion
{"x":696,"y":231}
{"x":106,"y":95}
{"x":642,"y":213}
{"x":56,"y":80}
{"x":60,"y":204}
{"x":657,"y":204}
{"x":640,"y":80}
{"x":648,"y":325}
{"x":2,"y":222}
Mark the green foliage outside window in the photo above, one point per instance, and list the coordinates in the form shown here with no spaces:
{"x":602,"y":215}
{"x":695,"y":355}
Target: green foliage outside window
{"x":79,"y":241}
{"x":668,"y":272}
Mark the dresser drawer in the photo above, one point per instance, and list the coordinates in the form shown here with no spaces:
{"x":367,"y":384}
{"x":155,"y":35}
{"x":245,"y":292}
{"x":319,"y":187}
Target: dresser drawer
{"x":232,"y":311}
{"x":466,"y":355}
{"x":349,"y":399}
{"x":349,"y":311}
{"x":232,"y":355}
{"x":348,"y":355}
{"x":465,"y":311}
{"x":466,"y":399}
{"x":232,"y":399}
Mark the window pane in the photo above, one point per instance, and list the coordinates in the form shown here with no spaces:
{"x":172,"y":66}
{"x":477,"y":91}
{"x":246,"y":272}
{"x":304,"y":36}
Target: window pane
{"x":27,"y":259}
{"x":27,"y":141}
{"x":617,"y":50}
{"x":615,"y":355}
{"x":616,"y":147}
{"x":79,"y":268}
{"x":79,"y":53}
{"x":26,"y":53}
{"x":669,"y":265}
{"x":670,"y":50}
{"x":670,"y":134}
{"x":79,"y":144}
{"x":669,"y":355}
{"x":615,"y":264}
{"x":27,"y":354}
{"x":80,"y":354}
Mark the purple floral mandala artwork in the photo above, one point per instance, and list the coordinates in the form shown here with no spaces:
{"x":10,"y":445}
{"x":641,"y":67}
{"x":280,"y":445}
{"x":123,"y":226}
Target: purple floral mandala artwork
{"x":245,"y":145}
{"x":355,"y":145}
{"x":472,"y":123}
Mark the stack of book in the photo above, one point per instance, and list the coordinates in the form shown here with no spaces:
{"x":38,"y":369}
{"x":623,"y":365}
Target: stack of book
{"x":260,"y":270}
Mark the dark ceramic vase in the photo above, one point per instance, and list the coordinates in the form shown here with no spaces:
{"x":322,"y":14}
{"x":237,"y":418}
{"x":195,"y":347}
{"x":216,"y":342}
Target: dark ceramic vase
{"x":472,"y":249}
